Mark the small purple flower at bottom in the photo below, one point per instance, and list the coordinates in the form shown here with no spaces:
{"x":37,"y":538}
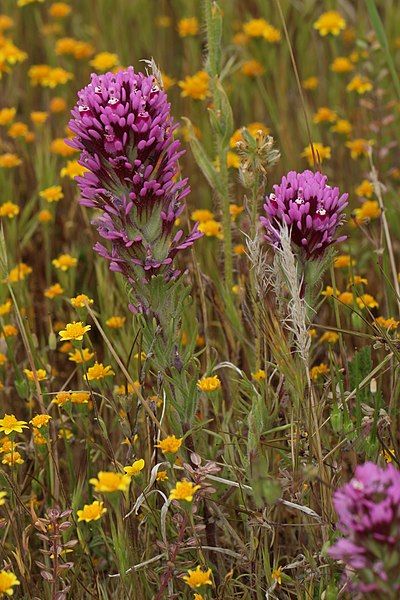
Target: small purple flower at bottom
{"x":368,"y":509}
{"x":311,"y":209}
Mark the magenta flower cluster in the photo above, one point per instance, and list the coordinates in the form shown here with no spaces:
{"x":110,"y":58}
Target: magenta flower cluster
{"x":310,"y":208}
{"x":368,"y":509}
{"x":124,"y":130}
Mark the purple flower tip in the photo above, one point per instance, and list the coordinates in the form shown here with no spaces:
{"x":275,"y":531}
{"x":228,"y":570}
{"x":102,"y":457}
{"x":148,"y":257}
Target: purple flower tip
{"x":125,"y":132}
{"x":311,"y":209}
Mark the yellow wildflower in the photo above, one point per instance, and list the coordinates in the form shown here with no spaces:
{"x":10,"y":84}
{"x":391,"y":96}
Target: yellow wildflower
{"x":8,"y":579}
{"x":162,"y":476}
{"x":80,"y":397}
{"x":389,"y":323}
{"x":343,"y":261}
{"x":59,"y":147}
{"x":310,"y":83}
{"x":202,"y":215}
{"x":342,"y":64}
{"x":41,"y":375}
{"x":12,"y":458}
{"x":99,"y":371}
{"x":79,"y":357}
{"x":18,"y":130}
{"x":76,"y":48}
{"x":62,"y":398}
{"x":9,"y":209}
{"x":259,"y":375}
{"x":47,"y":76}
{"x":359,"y":84}
{"x":321,"y":153}
{"x":368,"y":210}
{"x":324,"y":115}
{"x":6,"y":22}
{"x":252,"y":68}
{"x":330,"y":22}
{"x":195,"y":86}
{"x":115,"y":322}
{"x":7,"y":115}
{"x":91,"y":512}
{"x":53,"y":291}
{"x":277,"y":575}
{"x":197,"y":577}
{"x":342,"y":126}
{"x":81,"y":300}
{"x":135,"y":468}
{"x":64,"y":262}
{"x":239,"y":249}
{"x":170,"y":444}
{"x":367,"y":301}
{"x":365,"y":189}
{"x":109,"y":481}
{"x":331,"y":337}
{"x":232,"y":160}
{"x":3,"y":359}
{"x":72,"y":169}
{"x":19,"y":273}
{"x":184,"y":490}
{"x":45,"y":216}
{"x":211,"y":228}
{"x":10,"y":424}
{"x":5,"y":308}
{"x":9,"y":160}
{"x":255,"y":27}
{"x":57,"y":105}
{"x":9,"y":330}
{"x":346,"y":298}
{"x":188,"y":26}
{"x":74,"y":331}
{"x":256,"y":129}
{"x":3,"y":496}
{"x":318,"y":370}
{"x":38,"y":117}
{"x":104,"y":61}
{"x":40,"y":421}
{"x":359,"y":147}
{"x":209,"y":384}
{"x":59,"y":10}
{"x":357,"y":280}
{"x":131,"y":388}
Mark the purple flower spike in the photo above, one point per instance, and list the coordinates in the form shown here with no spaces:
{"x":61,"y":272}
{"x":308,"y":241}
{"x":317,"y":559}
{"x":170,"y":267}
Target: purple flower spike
{"x":310,"y":208}
{"x":368,"y":509}
{"x":125,"y":133}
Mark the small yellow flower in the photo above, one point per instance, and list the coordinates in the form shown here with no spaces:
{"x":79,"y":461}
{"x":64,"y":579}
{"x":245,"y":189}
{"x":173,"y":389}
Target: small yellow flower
{"x":330,"y":22}
{"x":367,"y":301}
{"x":12,"y":458}
{"x":3,"y":359}
{"x":184,"y":490}
{"x":110,"y":481}
{"x":197,"y":577}
{"x":259,"y":375}
{"x":47,"y":76}
{"x":79,"y":357}
{"x":59,"y":10}
{"x":255,"y":27}
{"x":122,"y":390}
{"x":359,"y":84}
{"x":232,"y":160}
{"x":188,"y":27}
{"x":277,"y":575}
{"x":45,"y":216}
{"x":115,"y":322}
{"x":72,"y":169}
{"x":81,"y":300}
{"x":60,"y":148}
{"x":312,"y":332}
{"x":321,"y":153}
{"x":91,"y":512}
{"x":104,"y":61}
{"x":209,"y":384}
{"x":10,"y":424}
{"x":5,"y":308}
{"x":134,"y":468}
{"x":346,"y":298}
{"x":195,"y":86}
{"x":389,"y":323}
{"x":6,"y":445}
{"x":57,"y":105}
{"x":359,"y":147}
{"x":74,"y":331}
{"x":325,"y":115}
{"x":9,"y":160}
{"x":41,"y":375}
{"x":3,"y":496}
{"x":18,"y":130}
{"x":65,"y":262}
{"x":99,"y":371}
{"x":211,"y":228}
{"x":365,"y":189}
{"x":357,"y":280}
{"x":7,"y":115}
{"x":311,"y":83}
{"x":342,"y":126}
{"x":318,"y":370}
{"x":9,"y":209}
{"x":52,"y":194}
{"x":170,"y":444}
{"x":62,"y":398}
{"x":342,"y":64}
{"x":343,"y":261}
{"x":9,"y":331}
{"x":368,"y":210}
{"x":76,"y":48}
{"x":40,"y":421}
{"x":7,"y":581}
{"x":331,"y":337}
{"x":53,"y":291}
{"x":252,"y":68}
{"x":80,"y":397}
{"x":239,"y":249}
{"x":19,"y":273}
{"x":202,"y":215}
{"x":38,"y":117}
{"x":162,"y":476}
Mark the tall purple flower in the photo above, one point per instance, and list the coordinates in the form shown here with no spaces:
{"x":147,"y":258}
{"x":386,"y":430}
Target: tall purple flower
{"x":311,"y":209}
{"x":125,"y":133}
{"x":368,"y":509}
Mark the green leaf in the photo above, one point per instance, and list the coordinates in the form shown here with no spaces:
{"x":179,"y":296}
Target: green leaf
{"x":203,"y":160}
